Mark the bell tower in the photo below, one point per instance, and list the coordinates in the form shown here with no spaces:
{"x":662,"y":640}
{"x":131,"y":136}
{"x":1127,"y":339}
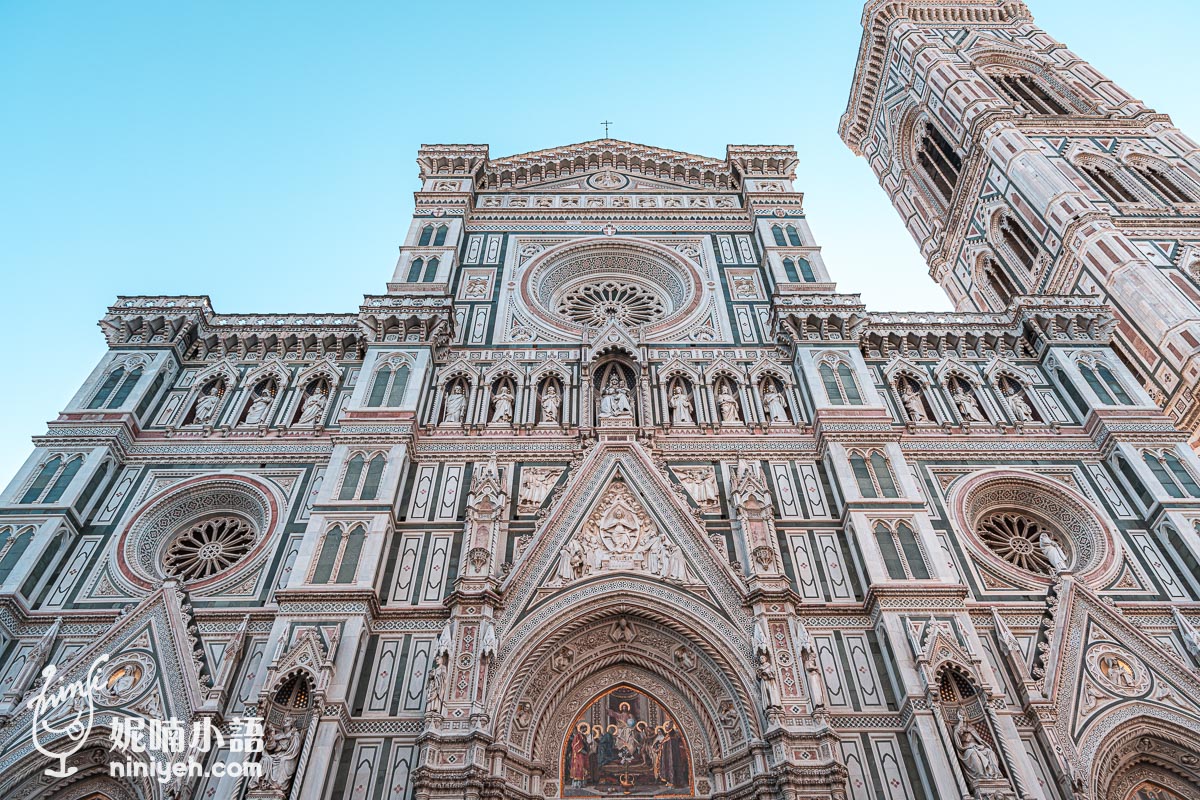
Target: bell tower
{"x":1020,"y":169}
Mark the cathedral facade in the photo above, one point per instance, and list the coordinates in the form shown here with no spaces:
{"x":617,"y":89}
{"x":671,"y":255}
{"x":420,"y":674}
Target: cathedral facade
{"x":612,"y":493}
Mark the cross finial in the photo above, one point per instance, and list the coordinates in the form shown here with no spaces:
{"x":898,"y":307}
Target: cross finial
{"x":606,"y":123}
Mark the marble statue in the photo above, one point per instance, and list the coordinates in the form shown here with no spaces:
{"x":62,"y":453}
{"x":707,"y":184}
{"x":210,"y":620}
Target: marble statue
{"x":551,"y":405}
{"x":502,"y":405}
{"x":1020,"y":406}
{"x":1053,"y":552}
{"x":615,"y":401}
{"x":968,"y":406}
{"x":727,"y":402}
{"x":978,"y":759}
{"x":913,"y":403}
{"x":681,"y":407}
{"x":773,"y":402}
{"x":768,"y":685}
{"x":456,"y":405}
{"x":435,"y":686}
{"x":313,"y":408}
{"x":701,"y":484}
{"x":281,"y":751}
{"x":206,"y":406}
{"x":257,"y":414}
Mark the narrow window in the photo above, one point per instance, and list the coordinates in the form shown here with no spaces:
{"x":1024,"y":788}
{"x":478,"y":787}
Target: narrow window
{"x":912,"y":552}
{"x":414,"y":270}
{"x":807,"y":271}
{"x":106,"y":389}
{"x":793,"y":236}
{"x":353,"y":474}
{"x":349,"y":565}
{"x":1182,"y":475}
{"x":431,"y":268}
{"x":789,"y":267}
{"x":940,"y":163}
{"x":1019,"y":242}
{"x":1109,"y":184}
{"x":778,"y":233}
{"x":1134,"y":481}
{"x":379,"y":387}
{"x":832,"y":389}
{"x":440,"y":238}
{"x":1114,"y":385}
{"x":891,"y":556}
{"x":1161,"y":475}
{"x":371,"y":483}
{"x":1029,"y":92}
{"x":849,"y":384}
{"x":12,"y":547}
{"x":1000,"y":283}
{"x":64,"y":480}
{"x":399,"y":384}
{"x":126,"y":388}
{"x":426,"y":236}
{"x":35,"y":490}
{"x":1096,"y":385}
{"x":328,"y":556}
{"x":862,"y":474}
{"x":1165,"y":184}
{"x":883,"y":475}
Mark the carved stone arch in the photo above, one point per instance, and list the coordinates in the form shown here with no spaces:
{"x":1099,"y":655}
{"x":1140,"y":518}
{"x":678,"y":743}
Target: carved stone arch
{"x":271,"y":369}
{"x":1140,"y":743}
{"x":1180,"y":169}
{"x":676,"y":366}
{"x":505,"y":368}
{"x":992,"y":56}
{"x":552,"y":367}
{"x":981,"y":503}
{"x":91,"y":781}
{"x":899,"y":367}
{"x":951,"y":367}
{"x":1002,"y":367}
{"x":568,"y":647}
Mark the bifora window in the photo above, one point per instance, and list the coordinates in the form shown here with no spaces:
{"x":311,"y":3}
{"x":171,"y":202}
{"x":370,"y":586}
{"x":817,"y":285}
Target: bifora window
{"x":209,"y":547}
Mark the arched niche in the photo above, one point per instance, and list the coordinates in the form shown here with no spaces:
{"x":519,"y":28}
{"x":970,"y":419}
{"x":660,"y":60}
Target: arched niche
{"x":1147,"y":752}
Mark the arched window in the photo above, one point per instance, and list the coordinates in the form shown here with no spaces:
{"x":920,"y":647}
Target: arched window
{"x":426,"y":236}
{"x":840,"y":385}
{"x":789,"y":269}
{"x":777,"y":232}
{"x":1019,"y":242}
{"x":389,"y":387}
{"x":901,"y":553}
{"x":806,"y":270}
{"x":1027,"y":91}
{"x":106,"y":389}
{"x":1001,"y":285}
{"x":1172,"y":474}
{"x":1105,"y":384}
{"x":1165,"y":183}
{"x":12,"y":547}
{"x":873,"y":475}
{"x":361,"y":481}
{"x":52,"y":480}
{"x":440,"y":237}
{"x":940,"y":163}
{"x":126,"y":387}
{"x":431,"y":268}
{"x":339,"y":556}
{"x":793,"y":236}
{"x":1135,"y":483}
{"x":415,"y":267}
{"x":1109,"y":184}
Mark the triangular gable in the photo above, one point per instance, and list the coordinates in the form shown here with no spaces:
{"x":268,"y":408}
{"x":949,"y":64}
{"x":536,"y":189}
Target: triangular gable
{"x":641,"y":488}
{"x":154,"y":669}
{"x":1097,"y":659}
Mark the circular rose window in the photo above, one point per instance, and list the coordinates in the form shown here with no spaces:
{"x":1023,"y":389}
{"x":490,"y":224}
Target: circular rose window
{"x":1016,"y":538}
{"x":208,"y":547}
{"x":594,"y":304}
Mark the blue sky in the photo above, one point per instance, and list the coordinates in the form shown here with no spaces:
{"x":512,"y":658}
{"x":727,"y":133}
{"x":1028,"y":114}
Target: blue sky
{"x":263,"y":153}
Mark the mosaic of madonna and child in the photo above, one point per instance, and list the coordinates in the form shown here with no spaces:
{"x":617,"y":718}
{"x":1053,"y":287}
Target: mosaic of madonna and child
{"x":625,"y":744}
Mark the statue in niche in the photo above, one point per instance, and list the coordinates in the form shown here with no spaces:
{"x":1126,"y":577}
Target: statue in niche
{"x":681,"y":407}
{"x":1053,"y":552}
{"x":773,"y":401}
{"x":620,"y":531}
{"x":435,"y":686}
{"x":768,"y":685}
{"x":206,"y":406}
{"x":615,"y":401}
{"x":456,"y":405}
{"x":258,"y":408}
{"x":314,"y":407}
{"x":502,"y":405}
{"x":968,"y":406}
{"x":551,"y":405}
{"x":622,"y":631}
{"x":910,"y":395}
{"x":676,"y":566}
{"x":281,"y":750}
{"x":978,"y":759}
{"x":1017,"y":403}
{"x":727,"y":402}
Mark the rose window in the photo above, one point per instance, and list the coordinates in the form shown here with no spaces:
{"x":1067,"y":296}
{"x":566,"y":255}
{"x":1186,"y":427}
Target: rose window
{"x":595,"y":304}
{"x":210,"y":546}
{"x":1014,"y":538}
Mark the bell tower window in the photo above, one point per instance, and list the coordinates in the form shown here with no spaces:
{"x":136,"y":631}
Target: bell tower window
{"x":940,"y":163}
{"x":1027,"y":91}
{"x":1109,"y":184}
